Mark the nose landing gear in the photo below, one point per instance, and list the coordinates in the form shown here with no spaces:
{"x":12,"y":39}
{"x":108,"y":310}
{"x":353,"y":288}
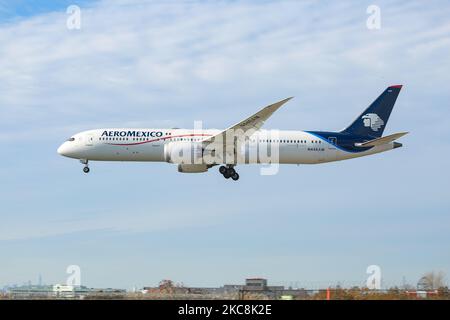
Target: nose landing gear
{"x":86,"y":167}
{"x":229,"y":172}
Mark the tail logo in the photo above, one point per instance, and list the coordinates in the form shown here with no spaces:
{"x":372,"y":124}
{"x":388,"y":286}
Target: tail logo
{"x":373,"y":121}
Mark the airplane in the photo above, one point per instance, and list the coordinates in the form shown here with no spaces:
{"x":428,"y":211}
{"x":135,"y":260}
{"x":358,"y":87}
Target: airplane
{"x":196,"y":151}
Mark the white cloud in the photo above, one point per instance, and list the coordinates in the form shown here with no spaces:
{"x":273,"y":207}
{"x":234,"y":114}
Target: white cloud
{"x":141,"y":63}
{"x":150,"y":56}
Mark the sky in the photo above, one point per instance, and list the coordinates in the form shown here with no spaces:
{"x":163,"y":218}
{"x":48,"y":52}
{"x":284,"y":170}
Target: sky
{"x":156,"y":64}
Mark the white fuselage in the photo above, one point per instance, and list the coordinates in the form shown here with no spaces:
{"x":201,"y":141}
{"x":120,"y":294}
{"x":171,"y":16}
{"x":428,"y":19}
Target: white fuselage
{"x":122,"y":144}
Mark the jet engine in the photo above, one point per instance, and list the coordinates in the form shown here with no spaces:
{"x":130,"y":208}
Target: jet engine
{"x":192,"y":168}
{"x":183,"y":153}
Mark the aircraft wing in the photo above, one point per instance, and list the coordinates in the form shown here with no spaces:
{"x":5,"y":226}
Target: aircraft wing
{"x":253,"y":123}
{"x":382,"y":140}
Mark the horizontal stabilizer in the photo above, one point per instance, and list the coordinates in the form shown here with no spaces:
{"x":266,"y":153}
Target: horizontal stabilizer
{"x":382,"y":140}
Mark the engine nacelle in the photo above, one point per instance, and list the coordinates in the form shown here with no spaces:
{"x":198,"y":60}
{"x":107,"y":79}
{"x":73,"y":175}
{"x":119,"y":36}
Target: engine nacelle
{"x":183,"y":153}
{"x":192,"y":168}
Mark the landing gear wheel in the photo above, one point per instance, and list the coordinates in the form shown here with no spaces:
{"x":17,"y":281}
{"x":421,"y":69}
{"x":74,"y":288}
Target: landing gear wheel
{"x":86,"y":169}
{"x":229,"y":172}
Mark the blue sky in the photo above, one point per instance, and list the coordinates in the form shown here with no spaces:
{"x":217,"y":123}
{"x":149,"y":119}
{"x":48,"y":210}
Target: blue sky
{"x":165,"y":64}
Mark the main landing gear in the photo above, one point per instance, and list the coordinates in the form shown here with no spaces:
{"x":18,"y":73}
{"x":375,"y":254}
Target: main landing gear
{"x":85,"y":162}
{"x":229,"y":172}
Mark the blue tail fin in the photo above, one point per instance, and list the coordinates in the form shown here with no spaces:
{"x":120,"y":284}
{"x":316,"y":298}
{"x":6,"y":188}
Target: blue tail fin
{"x":373,"y":120}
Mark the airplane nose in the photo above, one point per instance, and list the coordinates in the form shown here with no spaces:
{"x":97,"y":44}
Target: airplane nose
{"x":61,"y":149}
{"x":67,"y":149}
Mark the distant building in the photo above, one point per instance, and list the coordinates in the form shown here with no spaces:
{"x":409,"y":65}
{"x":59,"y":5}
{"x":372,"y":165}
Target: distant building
{"x":255,"y":284}
{"x":260,"y":286}
{"x":60,"y":291}
{"x":31,"y":292}
{"x":252,"y":286}
{"x":70,"y":291}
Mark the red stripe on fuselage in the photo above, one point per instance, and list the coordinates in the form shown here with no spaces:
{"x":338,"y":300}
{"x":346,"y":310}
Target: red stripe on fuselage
{"x":163,"y":138}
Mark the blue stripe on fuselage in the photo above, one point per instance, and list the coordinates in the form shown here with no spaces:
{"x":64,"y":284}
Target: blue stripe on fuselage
{"x":345,"y":142}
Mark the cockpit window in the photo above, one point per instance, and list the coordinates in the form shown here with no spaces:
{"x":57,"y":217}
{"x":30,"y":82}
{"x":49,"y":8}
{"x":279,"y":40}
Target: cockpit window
{"x":71,"y":139}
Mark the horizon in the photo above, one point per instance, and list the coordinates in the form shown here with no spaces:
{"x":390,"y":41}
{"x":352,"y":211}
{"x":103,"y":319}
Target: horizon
{"x":167,"y":64}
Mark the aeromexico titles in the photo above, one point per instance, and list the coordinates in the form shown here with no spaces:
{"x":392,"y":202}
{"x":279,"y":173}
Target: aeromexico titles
{"x":197,"y":151}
